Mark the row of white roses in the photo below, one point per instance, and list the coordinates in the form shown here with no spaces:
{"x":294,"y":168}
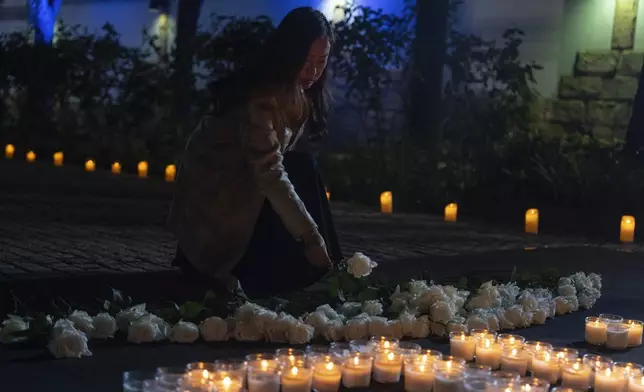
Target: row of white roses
{"x":424,"y":309}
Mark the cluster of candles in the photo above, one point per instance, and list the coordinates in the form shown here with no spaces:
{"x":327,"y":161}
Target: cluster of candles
{"x":613,"y":331}
{"x":513,"y":358}
{"x":58,"y":158}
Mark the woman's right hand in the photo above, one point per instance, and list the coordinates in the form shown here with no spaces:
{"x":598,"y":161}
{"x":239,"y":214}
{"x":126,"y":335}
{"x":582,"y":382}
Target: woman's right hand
{"x":315,"y":250}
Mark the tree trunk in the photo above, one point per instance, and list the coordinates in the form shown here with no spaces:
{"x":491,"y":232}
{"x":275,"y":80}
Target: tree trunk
{"x":429,"y":53}
{"x":187,"y":20}
{"x":635,"y":131}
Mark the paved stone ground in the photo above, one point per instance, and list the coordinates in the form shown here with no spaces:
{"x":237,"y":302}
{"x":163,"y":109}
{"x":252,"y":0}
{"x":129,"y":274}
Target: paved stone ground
{"x":64,"y":222}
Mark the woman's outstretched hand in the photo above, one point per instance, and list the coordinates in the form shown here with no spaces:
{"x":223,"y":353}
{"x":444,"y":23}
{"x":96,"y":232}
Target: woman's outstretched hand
{"x":315,"y":250}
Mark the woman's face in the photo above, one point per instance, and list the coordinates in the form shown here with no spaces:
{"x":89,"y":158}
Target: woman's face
{"x":315,"y":62}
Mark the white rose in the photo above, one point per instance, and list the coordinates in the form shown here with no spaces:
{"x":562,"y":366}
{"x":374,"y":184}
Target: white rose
{"x":378,"y":326}
{"x":395,"y":329}
{"x":69,"y":343}
{"x":317,"y":320}
{"x":82,"y":321}
{"x":567,"y":290}
{"x":263,"y":320}
{"x":398,"y":305}
{"x":587,"y":300}
{"x":328,"y":311}
{"x":214,"y":329}
{"x":184,"y":332}
{"x":595,"y":280}
{"x":357,"y":328}
{"x":508,"y":293}
{"x":300,"y":333}
{"x":143,"y":332}
{"x":493,"y":322}
{"x":438,"y":329}
{"x":247,"y":332}
{"x":487,"y":297}
{"x":456,"y":325}
{"x":360,"y":265}
{"x":60,"y":325}
{"x":333,"y":331}
{"x":125,"y":317}
{"x":350,"y":309}
{"x":539,"y":317}
{"x":574,"y":301}
{"x":407,"y":320}
{"x":104,"y":326}
{"x":441,"y":311}
{"x":421,"y":328}
{"x":565,"y":282}
{"x":503,"y":321}
{"x":528,"y":301}
{"x":475,"y":321}
{"x":277,"y":331}
{"x":372,"y":308}
{"x":418,"y":287}
{"x":248,"y":311}
{"x":11,"y":325}
{"x":564,"y":305}
{"x":518,"y":317}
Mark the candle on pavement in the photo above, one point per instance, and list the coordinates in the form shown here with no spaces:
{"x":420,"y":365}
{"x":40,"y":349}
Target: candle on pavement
{"x":595,"y":331}
{"x":462,"y":345}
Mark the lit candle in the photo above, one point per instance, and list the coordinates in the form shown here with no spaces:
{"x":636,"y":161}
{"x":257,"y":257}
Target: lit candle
{"x":386,"y":202}
{"x":546,"y":367}
{"x":31,"y":156}
{"x":628,"y":369}
{"x":635,"y":329}
{"x":328,"y":195}
{"x":488,"y":353}
{"x":617,"y":336}
{"x":595,"y":331}
{"x":116,"y":168}
{"x":297,"y":379}
{"x":533,"y":348}
{"x":627,"y":229}
{"x":565,"y":354}
{"x":326,"y":375}
{"x":482,"y":334}
{"x":170,"y":173}
{"x":608,"y":381}
{"x":289,"y":356}
{"x":462,"y":345}
{"x":9,"y":150}
{"x":387,"y":367}
{"x":636,"y":384}
{"x":419,"y":376}
{"x":382,"y":343}
{"x":90,"y":165}
{"x":228,"y":384}
{"x":142,"y":169}
{"x":357,"y":371}
{"x":263,"y":380}
{"x":508,"y":340}
{"x":448,"y":376}
{"x":451,"y":212}
{"x":532,"y":221}
{"x":534,"y":385}
{"x":514,"y":360}
{"x":576,"y":374}
{"x":58,"y":158}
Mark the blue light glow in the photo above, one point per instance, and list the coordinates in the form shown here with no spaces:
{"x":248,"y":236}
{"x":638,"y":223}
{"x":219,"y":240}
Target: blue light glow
{"x":42,"y":16}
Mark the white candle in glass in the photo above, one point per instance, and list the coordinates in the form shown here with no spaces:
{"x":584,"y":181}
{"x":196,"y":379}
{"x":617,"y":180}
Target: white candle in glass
{"x":263,"y":381}
{"x":595,"y":331}
{"x":610,"y":318}
{"x":385,"y":343}
{"x":462,"y":345}
{"x":228,"y":384}
{"x":546,"y":367}
{"x":488,"y":353}
{"x":514,"y":359}
{"x":576,"y":374}
{"x":533,"y":348}
{"x":636,"y":384}
{"x":419,"y":376}
{"x":387,"y":367}
{"x":356,"y":372}
{"x":608,"y":381}
{"x":635,"y":329}
{"x":448,"y":376}
{"x":327,"y":374}
{"x":534,"y":384}
{"x":509,"y":340}
{"x":297,"y":379}
{"x":617,"y":336}
{"x":628,"y":369}
{"x":596,"y":362}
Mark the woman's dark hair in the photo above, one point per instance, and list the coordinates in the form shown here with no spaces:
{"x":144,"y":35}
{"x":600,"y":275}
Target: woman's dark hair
{"x":277,"y":66}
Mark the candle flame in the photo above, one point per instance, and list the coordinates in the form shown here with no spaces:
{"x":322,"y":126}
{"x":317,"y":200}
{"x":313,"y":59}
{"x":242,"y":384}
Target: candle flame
{"x":547,"y":357}
{"x":511,"y":339}
{"x":294,"y":371}
{"x":560,"y":355}
{"x":575,"y":366}
{"x":227,"y":381}
{"x":386,"y":344}
{"x":205,"y":373}
{"x":329,"y":366}
{"x":462,"y":336}
{"x":538,"y":347}
{"x":356,"y":361}
{"x":390,"y":356}
{"x":264,"y":365}
{"x":291,"y":358}
{"x":487,"y":343}
{"x":449,"y":365}
{"x":514,"y":351}
{"x":608,"y":372}
{"x":422,"y":370}
{"x":508,"y":390}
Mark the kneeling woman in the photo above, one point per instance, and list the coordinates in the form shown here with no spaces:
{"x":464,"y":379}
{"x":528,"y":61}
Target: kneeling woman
{"x":249,"y":209}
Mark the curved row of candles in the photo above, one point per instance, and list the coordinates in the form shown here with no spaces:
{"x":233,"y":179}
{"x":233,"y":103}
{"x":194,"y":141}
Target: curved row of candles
{"x":58,"y":159}
{"x":613,"y":331}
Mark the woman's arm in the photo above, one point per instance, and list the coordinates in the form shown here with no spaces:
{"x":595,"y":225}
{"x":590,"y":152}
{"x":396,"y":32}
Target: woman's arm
{"x":263,"y":149}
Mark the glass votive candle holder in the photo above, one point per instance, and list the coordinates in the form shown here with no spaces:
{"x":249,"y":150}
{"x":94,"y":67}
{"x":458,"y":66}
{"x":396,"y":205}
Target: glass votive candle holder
{"x":198,"y":375}
{"x":628,"y":369}
{"x":502,"y":385}
{"x":462,"y":345}
{"x":546,"y":367}
{"x":607,"y":380}
{"x":209,"y":366}
{"x":188,"y":384}
{"x":429,"y":355}
{"x":617,"y":336}
{"x":514,"y":359}
{"x":297,"y":376}
{"x":419,"y":376}
{"x":289,"y":356}
{"x":361,"y":345}
{"x":228,"y":382}
{"x":380,"y":343}
{"x":576,"y":374}
{"x":387,"y":366}
{"x":232,"y":367}
{"x":488,"y":352}
{"x":134,"y":380}
{"x":263,"y":379}
{"x":261,"y":361}
{"x":533,"y":384}
{"x":595,"y":331}
{"x":316,"y":349}
{"x":480,"y":334}
{"x":357,"y":370}
{"x":564,"y":354}
{"x":566,"y":389}
{"x":510,"y":377}
{"x":327,"y":373}
{"x":477,"y":371}
{"x":635,"y":330}
{"x":636,"y":384}
{"x":408,"y":348}
{"x":534,"y":347}
{"x":507,"y":339}
{"x":168,"y":377}
{"x":476,"y":384}
{"x":610,"y":318}
{"x":597,"y":361}
{"x":448,"y":376}
{"x":340,"y":349}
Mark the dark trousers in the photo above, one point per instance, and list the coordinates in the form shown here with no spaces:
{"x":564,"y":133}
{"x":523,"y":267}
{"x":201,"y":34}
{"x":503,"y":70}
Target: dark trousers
{"x":274,"y":261}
